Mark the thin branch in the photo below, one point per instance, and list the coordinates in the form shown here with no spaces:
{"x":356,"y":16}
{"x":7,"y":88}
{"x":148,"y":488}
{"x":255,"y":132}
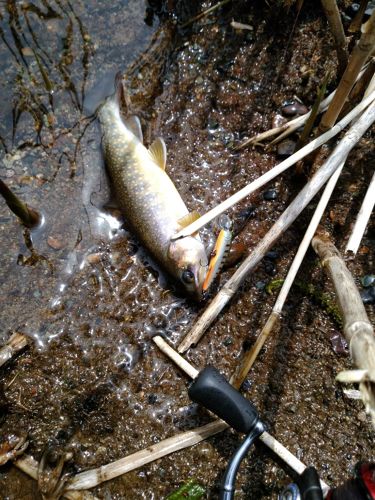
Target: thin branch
{"x":16,"y":343}
{"x":271,"y":174}
{"x":286,"y":219}
{"x":334,"y":19}
{"x":358,"y":330}
{"x":362,"y":219}
{"x":250,"y":356}
{"x":358,"y":57}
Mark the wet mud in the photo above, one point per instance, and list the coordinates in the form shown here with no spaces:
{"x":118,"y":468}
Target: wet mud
{"x":90,"y":298}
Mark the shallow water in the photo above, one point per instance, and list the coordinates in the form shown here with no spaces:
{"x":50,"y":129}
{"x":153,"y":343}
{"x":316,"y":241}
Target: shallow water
{"x":90,"y":298}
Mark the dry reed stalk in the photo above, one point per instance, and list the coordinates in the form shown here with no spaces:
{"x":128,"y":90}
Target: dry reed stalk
{"x":275,"y":171}
{"x":287,"y":128}
{"x":16,"y":343}
{"x":250,"y":356}
{"x":339,"y":154}
{"x":362,"y":219}
{"x":357,"y":21}
{"x":27,"y":215}
{"x":91,"y":478}
{"x":334,"y":20}
{"x":29,"y":466}
{"x":358,"y":57}
{"x":358,"y":330}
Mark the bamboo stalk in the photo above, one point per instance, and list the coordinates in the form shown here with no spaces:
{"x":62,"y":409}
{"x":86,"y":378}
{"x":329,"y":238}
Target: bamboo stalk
{"x":271,"y":174}
{"x":250,"y":357}
{"x":334,"y":19}
{"x":362,"y":219}
{"x":28,"y":216}
{"x":285,"y":220}
{"x":358,"y":330}
{"x":357,"y":59}
{"x":15,"y":343}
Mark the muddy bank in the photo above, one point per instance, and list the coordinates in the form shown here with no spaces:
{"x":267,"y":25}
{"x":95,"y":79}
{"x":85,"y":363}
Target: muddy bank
{"x":92,"y":382}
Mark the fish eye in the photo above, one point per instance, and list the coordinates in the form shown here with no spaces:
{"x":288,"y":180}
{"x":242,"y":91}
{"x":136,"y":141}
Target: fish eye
{"x":187,"y":276}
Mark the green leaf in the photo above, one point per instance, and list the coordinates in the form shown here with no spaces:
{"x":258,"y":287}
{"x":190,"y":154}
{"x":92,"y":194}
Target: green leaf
{"x":191,"y":490}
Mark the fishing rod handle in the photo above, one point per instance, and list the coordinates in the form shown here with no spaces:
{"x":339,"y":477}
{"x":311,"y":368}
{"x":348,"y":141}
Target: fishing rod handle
{"x":214,"y":392}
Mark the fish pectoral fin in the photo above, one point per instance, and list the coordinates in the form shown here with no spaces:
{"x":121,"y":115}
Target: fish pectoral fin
{"x":158,"y":152}
{"x":188,"y":219}
{"x":134,"y":125}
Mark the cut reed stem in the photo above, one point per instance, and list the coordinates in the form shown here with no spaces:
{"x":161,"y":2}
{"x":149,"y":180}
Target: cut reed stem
{"x":358,"y":57}
{"x":250,"y":356}
{"x":358,"y":330}
{"x":28,"y":216}
{"x":362,"y":219}
{"x":271,"y":174}
{"x":339,"y":154}
{"x":334,"y":20}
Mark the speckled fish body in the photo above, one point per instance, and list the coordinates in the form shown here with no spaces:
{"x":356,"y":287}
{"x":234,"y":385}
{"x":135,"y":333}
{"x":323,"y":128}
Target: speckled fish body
{"x":149,"y":199}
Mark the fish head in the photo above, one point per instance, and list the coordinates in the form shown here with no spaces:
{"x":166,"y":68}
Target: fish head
{"x":189,"y":262}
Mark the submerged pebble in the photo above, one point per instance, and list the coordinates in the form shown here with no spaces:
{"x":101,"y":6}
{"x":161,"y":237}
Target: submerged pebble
{"x":293,"y":108}
{"x":368,"y":280}
{"x":278,"y":120}
{"x":55,"y":242}
{"x":368,"y":295}
{"x":270,"y":195}
{"x":286,"y":148}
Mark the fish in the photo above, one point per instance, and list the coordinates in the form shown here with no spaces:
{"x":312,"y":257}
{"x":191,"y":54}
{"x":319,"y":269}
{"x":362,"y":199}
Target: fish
{"x":148,"y":197}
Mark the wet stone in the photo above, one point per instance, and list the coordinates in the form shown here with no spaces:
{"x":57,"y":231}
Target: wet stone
{"x":270,"y":195}
{"x":278,"y":120}
{"x":270,"y":268}
{"x":286,"y":148}
{"x":56,"y":242}
{"x":368,"y":295}
{"x":293,"y":108}
{"x":368,"y":280}
{"x":152,"y":399}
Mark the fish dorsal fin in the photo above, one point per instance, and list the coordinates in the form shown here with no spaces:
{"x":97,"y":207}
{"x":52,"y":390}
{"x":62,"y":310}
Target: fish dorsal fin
{"x":134,"y":125}
{"x":158,"y":152}
{"x":188,"y":219}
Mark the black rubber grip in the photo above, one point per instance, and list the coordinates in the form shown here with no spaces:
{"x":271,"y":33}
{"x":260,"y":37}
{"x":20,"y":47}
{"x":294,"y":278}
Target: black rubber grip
{"x":212,"y":390}
{"x":309,"y":485}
